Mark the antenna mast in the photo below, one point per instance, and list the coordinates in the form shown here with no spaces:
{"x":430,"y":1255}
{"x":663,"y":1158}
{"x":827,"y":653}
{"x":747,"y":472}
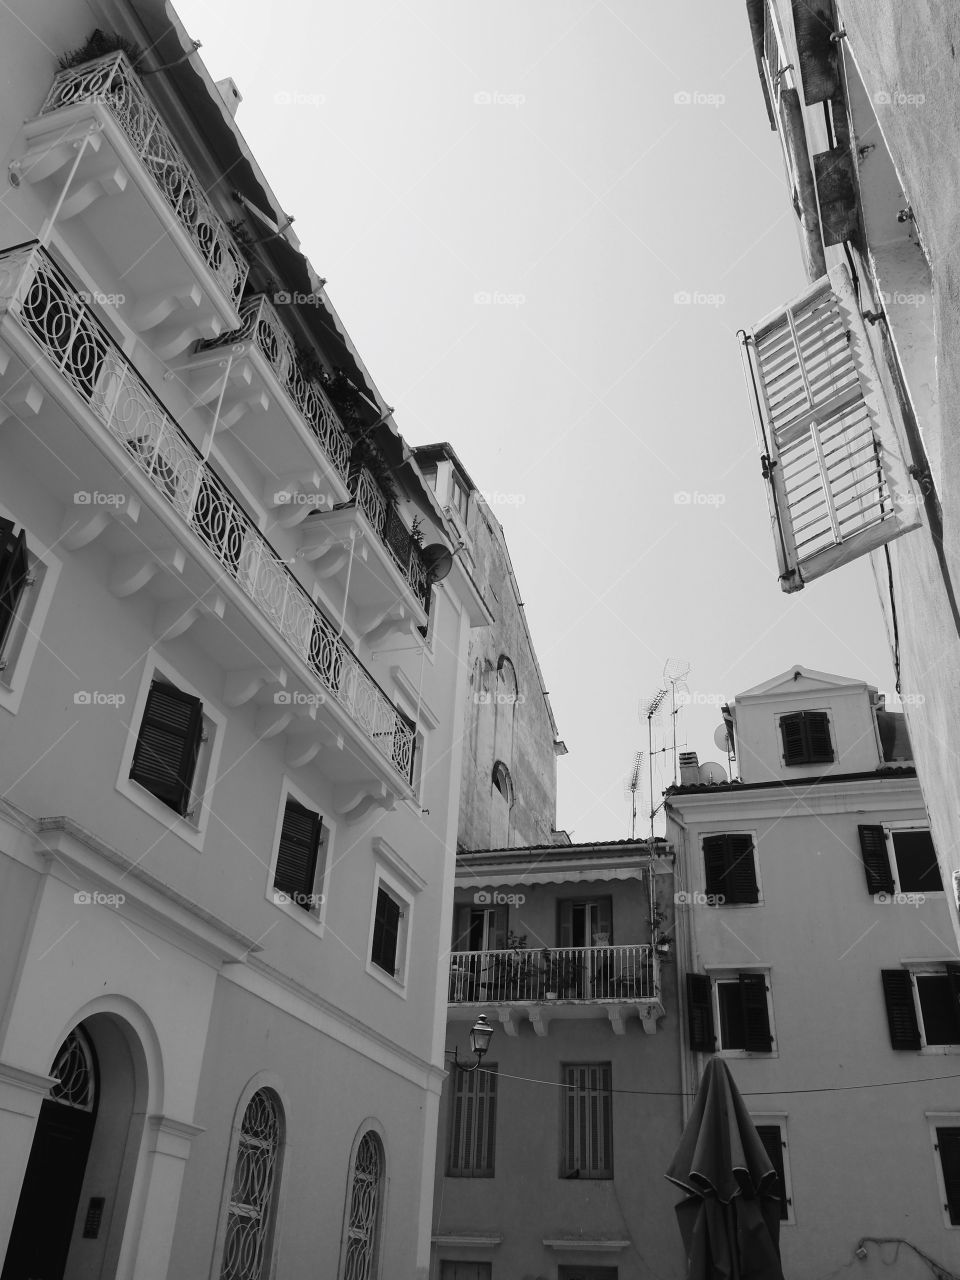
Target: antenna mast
{"x":675,"y":671}
{"x":652,"y":708}
{"x":633,"y":786}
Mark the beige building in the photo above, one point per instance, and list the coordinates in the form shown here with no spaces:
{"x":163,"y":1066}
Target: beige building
{"x":231,"y":704}
{"x":855,"y":381}
{"x":813,"y":933}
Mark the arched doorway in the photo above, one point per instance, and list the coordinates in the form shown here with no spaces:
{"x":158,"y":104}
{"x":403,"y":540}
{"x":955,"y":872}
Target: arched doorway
{"x":50,"y":1196}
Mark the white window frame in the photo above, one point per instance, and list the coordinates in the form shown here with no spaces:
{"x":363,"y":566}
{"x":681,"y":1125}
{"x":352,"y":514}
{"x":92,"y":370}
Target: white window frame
{"x":316,"y":918}
{"x":20,"y":646}
{"x":889,"y":831}
{"x":404,"y":700}
{"x":941,"y":1120}
{"x":730,"y":973}
{"x":928,"y":969}
{"x":383,"y":879}
{"x":702,"y":869}
{"x":191,"y":829}
{"x":827,"y":764}
{"x":779,"y":1118}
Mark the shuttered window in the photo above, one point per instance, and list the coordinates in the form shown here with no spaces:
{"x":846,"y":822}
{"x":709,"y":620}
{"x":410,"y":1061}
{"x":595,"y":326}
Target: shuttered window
{"x":744,"y":1013}
{"x":948,"y":1149}
{"x":296,"y":871}
{"x":837,"y":482}
{"x":700,"y":1013}
{"x":587,"y":1121}
{"x":876,"y":861}
{"x":730,"y":868}
{"x":473,"y":1124}
{"x":14,"y":569}
{"x":165,"y":757}
{"x":771,"y":1135}
{"x":466,"y":1270}
{"x":901,"y":1010}
{"x":806,"y":738}
{"x":917,"y":868}
{"x":386,"y":932}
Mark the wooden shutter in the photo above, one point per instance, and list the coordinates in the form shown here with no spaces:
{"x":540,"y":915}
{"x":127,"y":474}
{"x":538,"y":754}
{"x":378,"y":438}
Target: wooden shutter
{"x":756,"y":1013}
{"x":165,"y":756}
{"x":837,"y":482}
{"x":816,"y":727}
{"x":715,"y":864}
{"x":814,"y":23}
{"x":473,"y":1124}
{"x":772,"y":1138}
{"x":876,"y":861}
{"x":791,"y":733}
{"x":297,"y":856}
{"x":386,"y":932}
{"x":901,"y":1009}
{"x":700,"y":1012}
{"x":13,"y":575}
{"x":461,"y":928}
{"x":948,"y":1147}
{"x":953,"y":982}
{"x":730,"y":866}
{"x":604,"y":914}
{"x":498,"y":935}
{"x":588,"y":1132}
{"x":565,"y":923}
{"x":836,"y":194}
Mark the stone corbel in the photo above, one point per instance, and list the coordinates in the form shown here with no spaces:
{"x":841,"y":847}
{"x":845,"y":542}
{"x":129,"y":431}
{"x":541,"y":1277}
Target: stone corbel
{"x":615,"y":1013}
{"x":42,"y":160}
{"x":375,"y":625}
{"x":23,"y":400}
{"x":132,"y":573}
{"x":293,"y":497}
{"x":508,"y":1021}
{"x":173,"y":619}
{"x":539,"y":1019}
{"x":354,"y":800}
{"x":81,"y":523}
{"x":240,"y":686}
{"x":173,"y":340}
{"x":109,"y":183}
{"x":154,"y":310}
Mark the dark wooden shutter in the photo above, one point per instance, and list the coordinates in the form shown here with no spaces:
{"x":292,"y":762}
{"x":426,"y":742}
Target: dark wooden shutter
{"x":756,"y":1013}
{"x":473,"y":1124}
{"x":737,"y":882}
{"x":953,"y":981}
{"x":565,"y":923}
{"x":165,"y":756}
{"x":700,"y":1012}
{"x":297,"y":856}
{"x":715,"y":864}
{"x":901,"y":1010}
{"x":836,"y":194}
{"x":498,"y":935}
{"x":13,"y":575}
{"x":816,"y":725}
{"x":948,"y":1147}
{"x":604,"y":908}
{"x":876,"y":861}
{"x":386,"y":933}
{"x":814,"y":23}
{"x":461,"y":928}
{"x":794,"y":747}
{"x":772,"y":1139}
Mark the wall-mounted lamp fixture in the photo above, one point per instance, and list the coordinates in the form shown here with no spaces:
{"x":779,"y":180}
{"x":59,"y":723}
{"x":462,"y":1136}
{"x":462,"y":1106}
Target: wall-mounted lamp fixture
{"x":481,"y":1033}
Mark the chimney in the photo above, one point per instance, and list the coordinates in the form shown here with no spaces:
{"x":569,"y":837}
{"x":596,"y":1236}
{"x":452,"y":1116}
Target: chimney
{"x":230,"y":94}
{"x":689,"y":769}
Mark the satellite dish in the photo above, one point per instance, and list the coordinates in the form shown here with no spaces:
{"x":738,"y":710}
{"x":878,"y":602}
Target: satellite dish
{"x":438,"y":560}
{"x":722,"y":739}
{"x":712,"y":772}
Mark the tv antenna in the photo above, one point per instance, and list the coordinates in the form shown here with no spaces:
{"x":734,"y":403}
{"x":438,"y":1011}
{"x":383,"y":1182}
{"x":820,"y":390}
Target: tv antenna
{"x":675,"y":671}
{"x":633,"y":786}
{"x":651,"y":709}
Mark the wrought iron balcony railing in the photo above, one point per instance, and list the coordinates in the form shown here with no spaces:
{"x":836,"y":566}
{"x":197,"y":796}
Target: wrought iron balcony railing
{"x":42,"y":300}
{"x":112,"y":81}
{"x":392,"y":532}
{"x":558,"y":973}
{"x":262,"y":326}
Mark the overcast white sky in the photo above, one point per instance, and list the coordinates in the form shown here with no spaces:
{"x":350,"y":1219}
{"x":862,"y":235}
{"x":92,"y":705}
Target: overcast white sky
{"x":534,"y":152}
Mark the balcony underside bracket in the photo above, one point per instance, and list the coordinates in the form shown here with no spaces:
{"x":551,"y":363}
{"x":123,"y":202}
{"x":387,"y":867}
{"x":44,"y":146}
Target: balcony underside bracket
{"x":375,"y":625}
{"x":45,"y":158}
{"x":539,"y":1019}
{"x":510,"y":1025}
{"x":23,"y":398}
{"x":159,"y":307}
{"x":240,"y":686}
{"x":354,"y":801}
{"x":173,"y":618}
{"x":111,"y":182}
{"x":132,"y":573}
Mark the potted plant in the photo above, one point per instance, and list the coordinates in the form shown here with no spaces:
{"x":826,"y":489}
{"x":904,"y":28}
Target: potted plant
{"x":550,"y":970}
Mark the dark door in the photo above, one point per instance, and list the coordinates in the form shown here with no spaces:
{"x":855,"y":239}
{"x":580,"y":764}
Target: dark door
{"x":49,"y":1198}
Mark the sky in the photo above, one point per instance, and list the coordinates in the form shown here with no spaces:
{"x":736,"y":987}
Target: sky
{"x":542,"y":224}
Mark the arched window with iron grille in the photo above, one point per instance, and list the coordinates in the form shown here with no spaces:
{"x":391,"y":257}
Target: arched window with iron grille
{"x":252,"y":1209}
{"x":361,"y":1259}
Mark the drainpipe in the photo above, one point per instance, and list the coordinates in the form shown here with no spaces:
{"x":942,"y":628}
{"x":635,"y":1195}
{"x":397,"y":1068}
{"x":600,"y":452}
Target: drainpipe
{"x":686,"y":954}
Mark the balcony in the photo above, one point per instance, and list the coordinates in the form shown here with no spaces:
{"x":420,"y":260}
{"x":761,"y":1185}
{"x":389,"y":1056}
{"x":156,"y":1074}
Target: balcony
{"x":293,"y":420}
{"x":97,"y":390}
{"x":558,"y":983}
{"x":125,"y":197}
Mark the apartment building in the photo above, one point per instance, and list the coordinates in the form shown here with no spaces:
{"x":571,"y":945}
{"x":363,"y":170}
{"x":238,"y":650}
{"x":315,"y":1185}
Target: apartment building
{"x":818,"y":958}
{"x":854,"y":379}
{"x":231,"y":703}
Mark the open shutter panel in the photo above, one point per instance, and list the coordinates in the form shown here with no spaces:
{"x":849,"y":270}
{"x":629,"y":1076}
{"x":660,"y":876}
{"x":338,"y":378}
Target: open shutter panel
{"x":605,"y":918}
{"x":772,"y":1139}
{"x":700,"y":1012}
{"x":297,"y":855}
{"x":461,"y":929}
{"x":901,"y":1010}
{"x":564,"y":923}
{"x":953,"y":981}
{"x":499,"y":935}
{"x":814,"y":23}
{"x":756,"y":1013}
{"x":948,"y":1144}
{"x":13,"y":573}
{"x":876,"y":861}
{"x":836,"y":194}
{"x":837,"y":483}
{"x":715,"y":864}
{"x":794,"y":742}
{"x":386,"y":932}
{"x":166,"y":752}
{"x":741,"y":873}
{"x":816,"y":726}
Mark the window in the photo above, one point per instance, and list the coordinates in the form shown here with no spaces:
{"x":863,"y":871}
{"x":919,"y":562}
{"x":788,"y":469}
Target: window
{"x":914,"y":860}
{"x":386,"y":932}
{"x":587,"y":922}
{"x":738,"y":1004}
{"x":362,"y":1246}
{"x":473,"y":1124}
{"x":298,"y":873}
{"x":252,"y":1208}
{"x":730,"y":868}
{"x":806,"y":738}
{"x":168,"y":746}
{"x":838,"y":486}
{"x":502,"y":781}
{"x":923,"y":1007}
{"x":775,"y":1144}
{"x":466,"y":1271}
{"x":28,"y":574}
{"x":14,"y":574}
{"x":947,"y":1147}
{"x":459,"y":498}
{"x":587,"y":1100}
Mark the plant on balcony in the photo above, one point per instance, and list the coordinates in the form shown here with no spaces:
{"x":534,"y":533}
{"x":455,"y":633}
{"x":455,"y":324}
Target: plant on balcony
{"x":563,"y":974}
{"x":366,"y":452}
{"x":97,"y":45}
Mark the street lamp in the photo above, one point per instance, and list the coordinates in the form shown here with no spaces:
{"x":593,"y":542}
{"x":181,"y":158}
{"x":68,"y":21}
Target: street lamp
{"x":481,"y":1033}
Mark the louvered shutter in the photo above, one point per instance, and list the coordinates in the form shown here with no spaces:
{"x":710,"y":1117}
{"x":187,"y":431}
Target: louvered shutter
{"x":756,"y":1013}
{"x":13,"y":575}
{"x":836,"y":195}
{"x":953,"y":981}
{"x":772,"y":1139}
{"x":948,"y":1148}
{"x":700,"y":1012}
{"x":731,"y":868}
{"x":604,"y":918}
{"x":498,"y":934}
{"x":386,"y":933}
{"x":901,"y":1010}
{"x":715,"y":864}
{"x":473,"y":1124}
{"x":814,"y":23}
{"x":165,"y":757}
{"x":297,"y":856}
{"x":794,"y":743}
{"x":837,"y":483}
{"x":816,"y":727}
{"x":876,"y":860}
{"x":461,"y":928}
{"x":565,"y":923}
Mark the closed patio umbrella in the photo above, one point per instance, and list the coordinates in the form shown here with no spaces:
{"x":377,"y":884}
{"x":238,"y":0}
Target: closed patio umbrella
{"x":730,"y":1221}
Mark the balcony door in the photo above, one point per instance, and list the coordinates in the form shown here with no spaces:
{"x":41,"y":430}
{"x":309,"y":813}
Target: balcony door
{"x":583,"y":923}
{"x":479,"y":928}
